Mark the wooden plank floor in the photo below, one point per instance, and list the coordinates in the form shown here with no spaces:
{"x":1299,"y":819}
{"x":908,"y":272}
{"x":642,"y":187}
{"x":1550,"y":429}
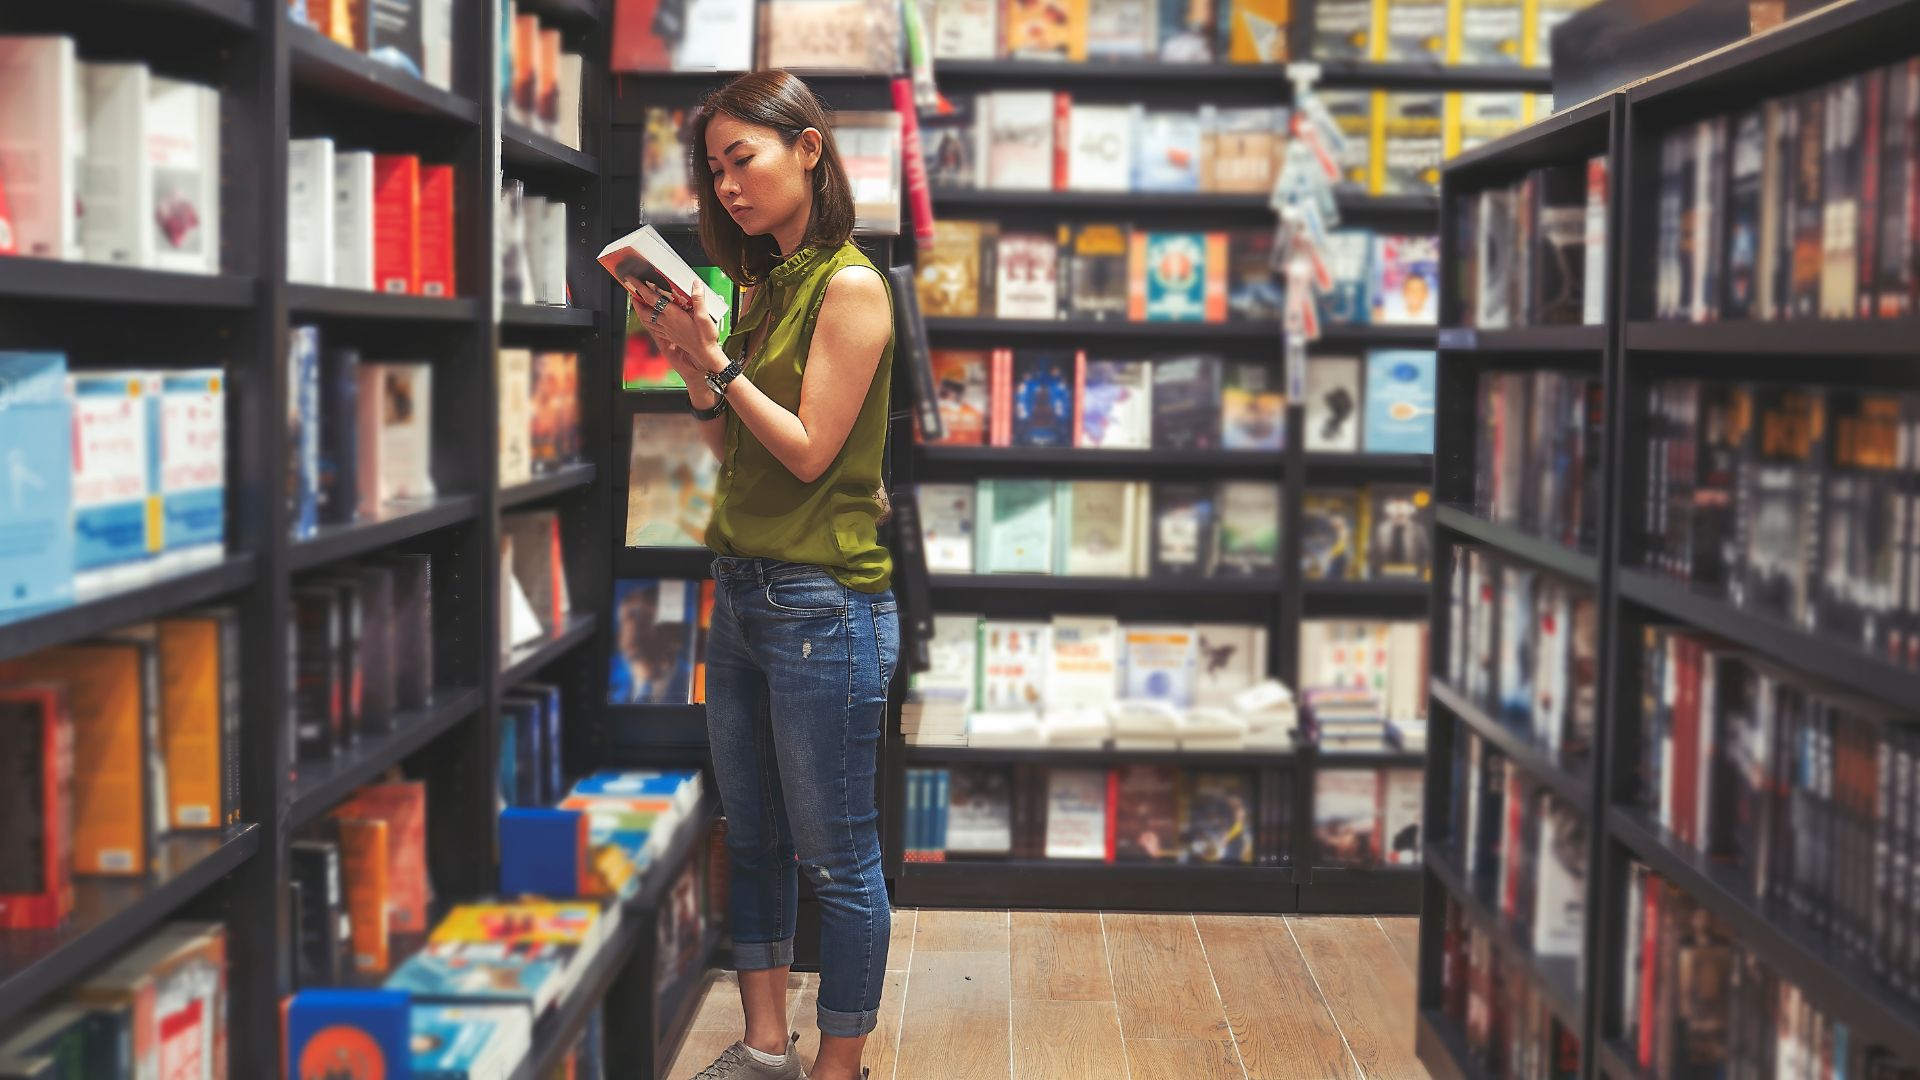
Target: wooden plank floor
{"x":1022,"y":995}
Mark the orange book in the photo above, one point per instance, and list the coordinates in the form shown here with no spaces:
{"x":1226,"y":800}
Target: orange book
{"x":192,"y":722}
{"x":706,"y":626}
{"x":436,"y":230}
{"x":526,"y":43}
{"x":333,"y":19}
{"x":364,"y":863}
{"x":546,"y":82}
{"x":1216,"y":294}
{"x":108,"y":686}
{"x":403,"y":806}
{"x":396,"y":223}
{"x":1137,"y":276}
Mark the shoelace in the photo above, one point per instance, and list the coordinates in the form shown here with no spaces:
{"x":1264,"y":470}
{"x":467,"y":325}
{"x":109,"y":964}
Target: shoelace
{"x":734,"y":1057}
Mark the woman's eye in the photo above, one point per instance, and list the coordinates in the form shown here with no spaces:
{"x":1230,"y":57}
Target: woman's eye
{"x":741,"y":163}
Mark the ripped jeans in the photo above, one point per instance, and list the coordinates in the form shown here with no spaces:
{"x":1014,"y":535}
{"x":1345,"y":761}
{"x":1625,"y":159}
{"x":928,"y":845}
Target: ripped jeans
{"x":797,"y":672}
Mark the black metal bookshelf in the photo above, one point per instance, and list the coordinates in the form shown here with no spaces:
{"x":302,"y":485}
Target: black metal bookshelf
{"x":278,"y":78}
{"x":1630,"y":350}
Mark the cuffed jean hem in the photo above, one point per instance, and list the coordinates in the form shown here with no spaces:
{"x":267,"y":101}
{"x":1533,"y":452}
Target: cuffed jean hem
{"x":762,"y":955}
{"x":847,"y":1025}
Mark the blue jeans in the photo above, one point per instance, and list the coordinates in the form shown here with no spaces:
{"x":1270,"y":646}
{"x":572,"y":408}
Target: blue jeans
{"x":797,"y":672}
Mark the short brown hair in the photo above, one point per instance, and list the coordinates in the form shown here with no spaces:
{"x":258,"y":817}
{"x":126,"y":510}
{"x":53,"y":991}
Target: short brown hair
{"x":777,"y":100}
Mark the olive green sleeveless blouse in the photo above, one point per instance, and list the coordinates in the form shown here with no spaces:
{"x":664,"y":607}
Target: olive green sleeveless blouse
{"x":759,"y":508}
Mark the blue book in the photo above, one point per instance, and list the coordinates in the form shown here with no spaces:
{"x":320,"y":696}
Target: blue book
{"x":303,"y":431}
{"x":523,"y":717}
{"x":1167,"y":150}
{"x":509,"y":781}
{"x":334,"y":1033}
{"x":1400,"y":402}
{"x":547,"y":695}
{"x":655,"y":620}
{"x":942,"y":800}
{"x":1043,"y":398}
{"x":542,"y":852}
{"x":116,"y":519}
{"x":337,"y":490}
{"x":528,"y":973}
{"x":680,"y":785}
{"x":36,"y":481}
{"x":192,"y":468}
{"x":467,"y":1042}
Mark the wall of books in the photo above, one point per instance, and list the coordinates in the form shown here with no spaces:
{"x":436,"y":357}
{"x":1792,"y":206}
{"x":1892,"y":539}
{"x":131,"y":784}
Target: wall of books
{"x":301,"y":590}
{"x":1670,"y":793}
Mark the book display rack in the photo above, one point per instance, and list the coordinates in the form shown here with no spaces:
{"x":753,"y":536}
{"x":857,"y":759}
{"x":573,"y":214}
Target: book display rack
{"x":277,"y":78}
{"x":1669,"y":785}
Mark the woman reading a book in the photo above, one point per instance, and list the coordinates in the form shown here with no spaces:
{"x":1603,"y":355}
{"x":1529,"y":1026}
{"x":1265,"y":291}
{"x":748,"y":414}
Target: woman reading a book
{"x":804,"y":634}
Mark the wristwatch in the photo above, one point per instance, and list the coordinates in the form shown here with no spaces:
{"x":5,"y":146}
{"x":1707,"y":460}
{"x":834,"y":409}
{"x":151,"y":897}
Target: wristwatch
{"x":718,"y":381}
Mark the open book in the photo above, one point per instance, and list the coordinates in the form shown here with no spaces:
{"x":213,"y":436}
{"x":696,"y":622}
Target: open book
{"x":645,"y":255}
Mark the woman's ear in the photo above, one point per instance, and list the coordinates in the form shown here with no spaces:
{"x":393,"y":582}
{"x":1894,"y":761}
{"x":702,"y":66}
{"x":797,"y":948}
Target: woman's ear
{"x":809,"y":146}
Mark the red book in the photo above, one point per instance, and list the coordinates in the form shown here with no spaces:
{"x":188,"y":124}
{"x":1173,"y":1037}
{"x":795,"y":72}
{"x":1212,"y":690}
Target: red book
{"x":636,"y":47}
{"x":1216,"y":276}
{"x":436,"y":230}
{"x":7,"y":244}
{"x":1062,"y":134}
{"x":403,"y":806}
{"x":1874,"y":86}
{"x":919,"y":195}
{"x":1113,"y":813}
{"x":37,"y":734}
{"x":1649,"y":972}
{"x":396,"y":223}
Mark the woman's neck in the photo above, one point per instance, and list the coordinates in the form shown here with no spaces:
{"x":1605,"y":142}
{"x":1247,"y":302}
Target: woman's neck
{"x":791,"y":233}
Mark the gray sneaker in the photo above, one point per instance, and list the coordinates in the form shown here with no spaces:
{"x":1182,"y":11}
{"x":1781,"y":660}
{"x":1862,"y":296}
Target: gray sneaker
{"x":735,"y":1063}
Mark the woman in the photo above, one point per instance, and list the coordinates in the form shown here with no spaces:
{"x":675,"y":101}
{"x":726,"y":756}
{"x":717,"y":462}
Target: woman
{"x":804,"y":633}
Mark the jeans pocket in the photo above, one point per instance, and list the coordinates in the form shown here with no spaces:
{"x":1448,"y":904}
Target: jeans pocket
{"x":813,"y":594}
{"x":886,"y":639}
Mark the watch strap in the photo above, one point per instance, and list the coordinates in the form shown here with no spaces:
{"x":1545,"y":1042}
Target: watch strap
{"x":719,"y":380}
{"x":708,"y":414}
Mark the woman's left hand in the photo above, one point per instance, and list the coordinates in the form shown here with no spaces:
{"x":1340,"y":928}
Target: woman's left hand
{"x":685,"y":328}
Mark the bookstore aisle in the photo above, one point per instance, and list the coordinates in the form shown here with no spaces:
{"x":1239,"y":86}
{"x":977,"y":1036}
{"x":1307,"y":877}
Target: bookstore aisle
{"x":988,"y":995}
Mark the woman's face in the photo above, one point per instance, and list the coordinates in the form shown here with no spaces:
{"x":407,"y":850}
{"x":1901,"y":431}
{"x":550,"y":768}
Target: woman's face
{"x":757,"y":178}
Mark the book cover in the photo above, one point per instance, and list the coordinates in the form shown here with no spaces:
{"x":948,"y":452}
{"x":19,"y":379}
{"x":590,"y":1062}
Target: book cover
{"x":1166,"y":148}
{"x":643,"y":256}
{"x":396,"y":223}
{"x":1083,"y":669}
{"x":316,"y":635}
{"x":949,"y":141}
{"x":979,"y":812}
{"x":1346,"y":818}
{"x":1400,"y":520}
{"x":1017,"y":139}
{"x":1146,"y":812}
{"x":1495,"y":257}
{"x":1842,"y":140}
{"x":1178,"y":277}
{"x":666,"y":196}
{"x":403,"y":806}
{"x":1076,"y":814}
{"x":1230,"y":658}
{"x":1186,"y":31}
{"x":116,"y":520}
{"x":1401,"y":793}
{"x":950,"y":280}
{"x":1121,"y":29}
{"x":1333,"y":404}
{"x":1219,"y":819}
{"x":653,"y":622}
{"x":1254,"y":292}
{"x":554,"y":438}
{"x":1352,"y":113}
{"x":466,"y":972}
{"x":1240,"y":148}
{"x":1805,"y":237}
{"x":1016,"y":518}
{"x":194,"y":720}
{"x":36,"y":742}
{"x":468,"y":1042}
{"x":1474,"y":118}
{"x":436,"y":231}
{"x":1097,"y":527}
{"x":960,"y":384}
{"x":1349,"y":256}
{"x":39,"y":83}
{"x":1253,"y":408}
{"x":966,"y":30}
{"x":1158,"y":663}
{"x":1248,"y":534}
{"x":538,"y":563}
{"x":1486,"y":32}
{"x":114,"y":191}
{"x":365,"y":863}
{"x":1593,"y":299}
{"x":1043,"y":405}
{"x":638,"y":43}
{"x":396,"y":434}
{"x":1186,"y":397}
{"x":830,"y":35}
{"x":1559,"y":916}
{"x":192,"y":467}
{"x":946,"y":524}
{"x":323,"y":938}
{"x":670,"y":482}
{"x":1046,"y":30}
{"x":872,"y":151}
{"x":378,"y":678}
{"x":1899,"y":210}
{"x":353,"y":201}
{"x":1094,"y":274}
{"x":716,"y":35}
{"x":1400,"y":402}
{"x":1115,"y":400}
{"x":173,"y":988}
{"x":1329,"y":538}
{"x":1416,"y":31}
{"x":1406,"y":284}
{"x":515,"y":369}
{"x":1745,"y":166}
{"x":36,"y":490}
{"x":1098,"y":147}
{"x":1412,"y":134}
{"x":1257,"y":31}
{"x":183,"y":158}
{"x":1026,"y":281}
{"x":1013,"y":665}
{"x":1343,"y":30}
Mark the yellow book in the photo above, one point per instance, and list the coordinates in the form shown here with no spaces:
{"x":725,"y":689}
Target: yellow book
{"x":1046,"y":29}
{"x":1410,"y":127}
{"x":949,"y":278}
{"x":1257,"y":33}
{"x":531,"y":922}
{"x":192,"y":692}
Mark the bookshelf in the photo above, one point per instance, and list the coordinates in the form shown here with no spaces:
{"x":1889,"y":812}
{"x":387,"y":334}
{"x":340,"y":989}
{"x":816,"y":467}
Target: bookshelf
{"x":1628,"y":352}
{"x":277,"y":79}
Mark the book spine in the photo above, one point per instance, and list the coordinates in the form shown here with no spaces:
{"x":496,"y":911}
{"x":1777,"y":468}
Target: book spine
{"x":914,"y":164}
{"x":436,"y":231}
{"x":396,"y":223}
{"x":1062,"y":140}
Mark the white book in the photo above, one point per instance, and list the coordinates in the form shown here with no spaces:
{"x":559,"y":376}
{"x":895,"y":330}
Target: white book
{"x":436,"y":42}
{"x":115,"y":494}
{"x":1004,"y":730}
{"x":353,"y":219}
{"x":1018,"y":128}
{"x":1406,"y":697}
{"x":1084,"y":728}
{"x":952,"y":676}
{"x":1207,"y":727}
{"x":1077,"y":814}
{"x":192,"y":466}
{"x":1094,"y":529}
{"x":1232,"y":659}
{"x":112,"y":181}
{"x":310,"y":205}
{"x":1559,"y":914}
{"x":522,"y":623}
{"x":966,"y":29}
{"x":645,"y":255}
{"x":1099,"y":147}
{"x":1013,"y":665}
{"x":946,"y":527}
{"x":516,"y":416}
{"x":1137,"y":723}
{"x":533,"y":211}
{"x":1083,"y":670}
{"x":550,"y":270}
{"x":572,"y":74}
{"x":1159,"y":664}
{"x":396,"y":434}
{"x":183,"y":151}
{"x":717,"y":36}
{"x":39,"y":118}
{"x":1400,"y":815}
{"x":1593,"y":298}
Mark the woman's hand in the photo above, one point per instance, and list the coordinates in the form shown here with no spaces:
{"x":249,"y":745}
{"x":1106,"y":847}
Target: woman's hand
{"x":683,"y":332}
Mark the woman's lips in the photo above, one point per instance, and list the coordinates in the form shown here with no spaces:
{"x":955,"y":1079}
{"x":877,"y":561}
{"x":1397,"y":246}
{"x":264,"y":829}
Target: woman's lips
{"x":736,"y":211}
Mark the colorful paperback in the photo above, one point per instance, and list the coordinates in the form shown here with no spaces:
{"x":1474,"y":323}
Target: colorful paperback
{"x":1160,"y":664}
{"x":1253,"y":410}
{"x":1400,"y":401}
{"x":116,"y":524}
{"x":36,"y":487}
{"x":335,"y":1033}
{"x":670,"y":481}
{"x":1043,"y":399}
{"x":960,"y":384}
{"x":1179,"y":277}
{"x":1115,"y":402}
{"x":468,"y":1042}
{"x":1406,"y":288}
{"x":192,"y":466}
{"x":653,"y":625}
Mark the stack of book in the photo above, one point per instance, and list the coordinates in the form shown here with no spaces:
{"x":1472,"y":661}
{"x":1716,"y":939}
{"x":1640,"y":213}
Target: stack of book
{"x":1796,"y":207}
{"x":1525,"y":648}
{"x":1510,"y":1030}
{"x":139,"y":152}
{"x":114,"y":744}
{"x":389,"y":1032}
{"x":540,"y":80}
{"x":165,"y":999}
{"x":416,"y":37}
{"x":660,"y":625}
{"x":1537,"y":454}
{"x":1386,"y":658}
{"x":600,"y":840}
{"x":119,"y":477}
{"x":530,"y":241}
{"x":534,"y":598}
{"x":539,"y":413}
{"x":361,"y":220}
{"x":360,"y":434}
{"x":1104,"y":528}
{"x":1384,"y":404}
{"x":360,"y":886}
{"x":1367,"y":818}
{"x":1130,"y":813}
{"x":1381,"y":532}
{"x":869,"y":143}
{"x":362,"y":644}
{"x":1344,"y":719}
{"x":1082,"y":680}
{"x":1536,"y":251}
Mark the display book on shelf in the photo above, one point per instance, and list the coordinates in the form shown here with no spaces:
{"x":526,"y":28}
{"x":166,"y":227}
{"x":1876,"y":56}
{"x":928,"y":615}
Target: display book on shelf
{"x":1753,"y":841}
